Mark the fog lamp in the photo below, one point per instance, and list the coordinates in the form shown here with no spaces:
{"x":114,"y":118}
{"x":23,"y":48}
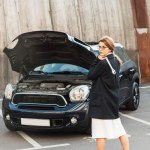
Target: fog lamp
{"x":73,"y":120}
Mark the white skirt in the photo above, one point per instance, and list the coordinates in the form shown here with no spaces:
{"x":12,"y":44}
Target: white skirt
{"x":109,"y":129}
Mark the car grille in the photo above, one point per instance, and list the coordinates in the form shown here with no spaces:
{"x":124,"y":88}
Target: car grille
{"x":54,"y":99}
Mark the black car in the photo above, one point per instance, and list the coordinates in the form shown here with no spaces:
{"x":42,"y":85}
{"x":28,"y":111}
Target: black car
{"x":52,"y":90}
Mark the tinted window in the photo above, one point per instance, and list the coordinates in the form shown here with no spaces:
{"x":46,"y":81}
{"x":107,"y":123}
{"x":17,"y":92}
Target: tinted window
{"x":121,"y":53}
{"x":96,"y":53}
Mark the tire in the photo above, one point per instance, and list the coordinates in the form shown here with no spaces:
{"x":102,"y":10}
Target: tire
{"x":87,"y":130}
{"x":133,"y":103}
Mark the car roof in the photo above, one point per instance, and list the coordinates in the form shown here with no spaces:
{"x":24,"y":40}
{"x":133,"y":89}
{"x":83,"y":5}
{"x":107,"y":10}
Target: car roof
{"x":94,"y":45}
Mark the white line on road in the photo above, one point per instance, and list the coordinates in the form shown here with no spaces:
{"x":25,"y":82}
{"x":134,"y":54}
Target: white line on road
{"x":29,"y":139}
{"x":35,"y":144}
{"x":1,"y":113}
{"x":136,"y":119}
{"x":44,"y":147}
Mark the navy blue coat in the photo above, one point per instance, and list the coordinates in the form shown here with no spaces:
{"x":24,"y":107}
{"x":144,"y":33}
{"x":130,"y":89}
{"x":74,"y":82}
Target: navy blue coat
{"x":104,"y":94}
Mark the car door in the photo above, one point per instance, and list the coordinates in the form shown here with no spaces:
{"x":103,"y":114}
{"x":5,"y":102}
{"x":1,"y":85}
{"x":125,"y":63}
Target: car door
{"x":124,"y":75}
{"x":125,"y":82}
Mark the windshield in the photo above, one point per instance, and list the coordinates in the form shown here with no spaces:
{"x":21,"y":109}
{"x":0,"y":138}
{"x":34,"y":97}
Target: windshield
{"x":60,"y":68}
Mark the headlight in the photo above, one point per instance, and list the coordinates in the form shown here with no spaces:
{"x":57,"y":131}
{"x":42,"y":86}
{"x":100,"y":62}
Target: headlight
{"x":79,"y":93}
{"x":9,"y":90}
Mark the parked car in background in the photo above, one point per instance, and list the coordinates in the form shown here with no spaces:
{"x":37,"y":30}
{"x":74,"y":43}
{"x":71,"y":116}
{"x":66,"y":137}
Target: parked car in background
{"x":52,"y":92}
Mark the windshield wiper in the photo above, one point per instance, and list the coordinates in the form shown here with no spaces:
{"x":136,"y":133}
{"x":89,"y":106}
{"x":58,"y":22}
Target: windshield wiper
{"x":39,"y":72}
{"x":68,"y":72}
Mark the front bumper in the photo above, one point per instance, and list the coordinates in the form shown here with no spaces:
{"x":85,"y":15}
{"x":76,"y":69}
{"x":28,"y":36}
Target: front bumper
{"x":71,"y":117}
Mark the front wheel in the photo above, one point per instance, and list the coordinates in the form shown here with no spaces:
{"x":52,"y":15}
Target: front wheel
{"x":87,"y":130}
{"x":133,"y":103}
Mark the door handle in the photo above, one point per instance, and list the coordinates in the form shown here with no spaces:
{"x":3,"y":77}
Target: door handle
{"x":132,"y":70}
{"x":120,"y":75}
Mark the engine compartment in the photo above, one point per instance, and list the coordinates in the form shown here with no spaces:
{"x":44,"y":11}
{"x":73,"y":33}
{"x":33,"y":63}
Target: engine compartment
{"x":22,"y":87}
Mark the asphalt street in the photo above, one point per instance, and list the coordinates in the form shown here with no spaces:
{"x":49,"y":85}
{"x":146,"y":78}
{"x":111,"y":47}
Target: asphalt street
{"x":136,"y":123}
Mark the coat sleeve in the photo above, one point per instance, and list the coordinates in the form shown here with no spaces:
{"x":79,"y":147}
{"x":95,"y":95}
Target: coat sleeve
{"x":97,"y":68}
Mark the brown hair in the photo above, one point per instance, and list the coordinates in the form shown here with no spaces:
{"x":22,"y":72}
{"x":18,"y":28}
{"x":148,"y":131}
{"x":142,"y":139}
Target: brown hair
{"x":118,"y":58}
{"x":108,"y":41}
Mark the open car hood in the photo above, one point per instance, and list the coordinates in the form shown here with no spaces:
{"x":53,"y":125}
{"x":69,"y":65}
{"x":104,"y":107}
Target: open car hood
{"x":37,"y":48}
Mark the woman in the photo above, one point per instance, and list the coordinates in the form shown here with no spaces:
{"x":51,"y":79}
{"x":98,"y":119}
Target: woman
{"x":104,"y":96}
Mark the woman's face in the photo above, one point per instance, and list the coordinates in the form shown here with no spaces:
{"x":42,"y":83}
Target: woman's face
{"x":103,"y":49}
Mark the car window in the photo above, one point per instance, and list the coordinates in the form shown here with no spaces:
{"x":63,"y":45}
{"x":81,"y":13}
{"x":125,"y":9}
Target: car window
{"x":121,"y":53}
{"x":60,"y":67}
{"x":96,"y":53}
